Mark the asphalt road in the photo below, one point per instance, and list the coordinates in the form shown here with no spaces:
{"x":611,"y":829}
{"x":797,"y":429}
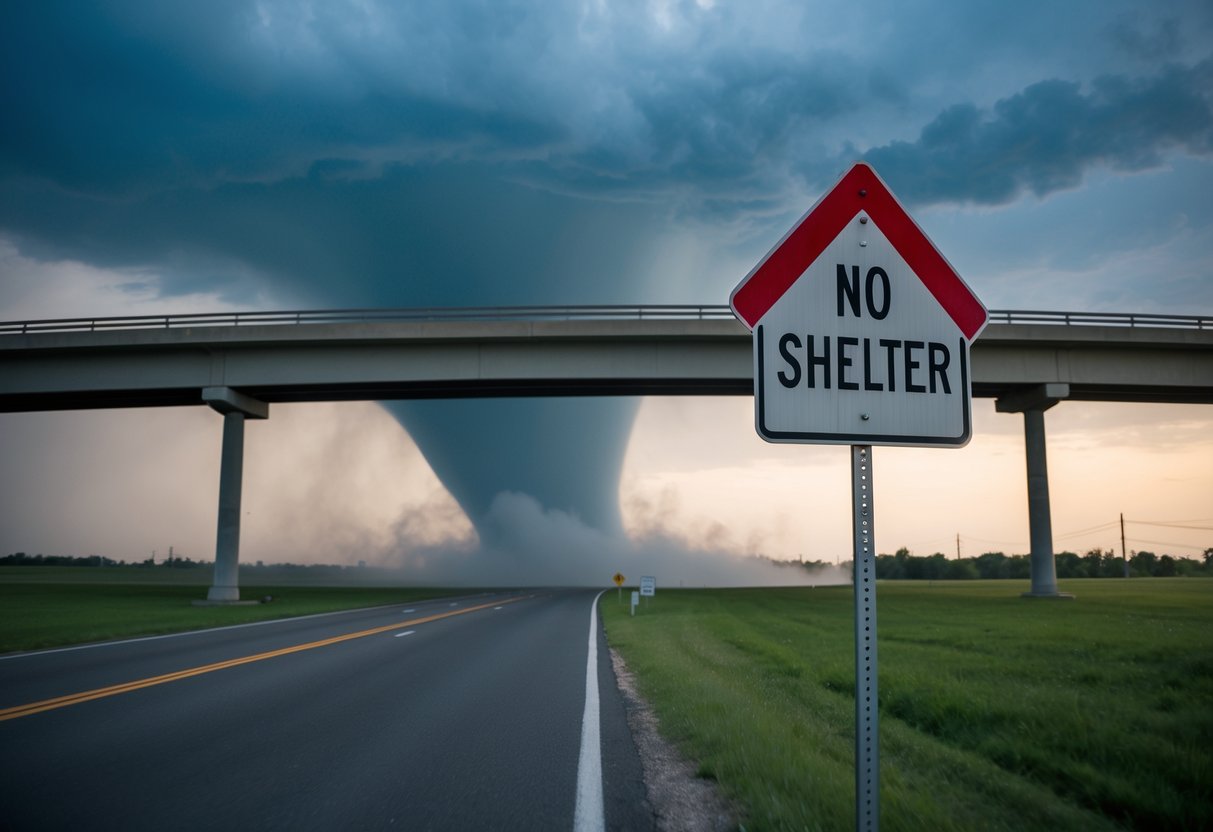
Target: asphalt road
{"x":470,"y":721}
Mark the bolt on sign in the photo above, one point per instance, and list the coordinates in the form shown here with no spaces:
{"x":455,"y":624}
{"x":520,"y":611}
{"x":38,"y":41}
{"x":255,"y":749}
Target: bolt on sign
{"x":861,"y":327}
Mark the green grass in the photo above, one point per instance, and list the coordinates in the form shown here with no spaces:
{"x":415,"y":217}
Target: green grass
{"x":996,"y":712}
{"x":45,"y":608}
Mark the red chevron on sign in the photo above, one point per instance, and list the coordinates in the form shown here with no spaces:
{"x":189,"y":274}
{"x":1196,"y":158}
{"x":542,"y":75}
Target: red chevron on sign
{"x":859,"y":190}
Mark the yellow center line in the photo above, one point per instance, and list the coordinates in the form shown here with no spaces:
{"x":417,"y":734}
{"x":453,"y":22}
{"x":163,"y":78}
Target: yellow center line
{"x":126,"y":687}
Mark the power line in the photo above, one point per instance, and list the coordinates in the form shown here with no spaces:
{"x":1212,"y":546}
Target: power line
{"x":1172,"y":525}
{"x":1165,"y":543}
{"x":937,"y":543}
{"x":1093,"y":529}
{"x":987,"y":540}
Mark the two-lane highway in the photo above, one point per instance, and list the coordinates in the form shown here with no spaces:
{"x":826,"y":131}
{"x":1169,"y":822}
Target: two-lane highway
{"x":464,"y":713}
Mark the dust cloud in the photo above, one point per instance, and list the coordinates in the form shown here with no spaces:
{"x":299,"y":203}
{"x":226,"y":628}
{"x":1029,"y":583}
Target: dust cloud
{"x":534,"y":546}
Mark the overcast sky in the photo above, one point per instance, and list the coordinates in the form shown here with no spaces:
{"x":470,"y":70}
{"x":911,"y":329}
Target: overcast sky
{"x":190,"y":157}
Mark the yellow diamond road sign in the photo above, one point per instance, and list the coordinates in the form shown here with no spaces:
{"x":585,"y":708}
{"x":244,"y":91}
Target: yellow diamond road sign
{"x":619,"y":579}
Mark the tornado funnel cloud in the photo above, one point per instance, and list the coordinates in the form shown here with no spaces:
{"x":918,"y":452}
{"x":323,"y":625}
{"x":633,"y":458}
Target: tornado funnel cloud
{"x":565,"y":453}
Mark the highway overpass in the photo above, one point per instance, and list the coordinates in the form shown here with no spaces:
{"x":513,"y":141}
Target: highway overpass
{"x":240,"y":363}
{"x":541,"y":351}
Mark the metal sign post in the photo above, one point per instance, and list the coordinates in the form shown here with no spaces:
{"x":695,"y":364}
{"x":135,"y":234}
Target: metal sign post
{"x":867,"y":713}
{"x":861,"y":337}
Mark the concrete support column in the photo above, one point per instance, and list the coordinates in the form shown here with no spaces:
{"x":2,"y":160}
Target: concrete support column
{"x":225,"y":585}
{"x":1040,"y":521}
{"x":1032,"y":403}
{"x":235,"y":407}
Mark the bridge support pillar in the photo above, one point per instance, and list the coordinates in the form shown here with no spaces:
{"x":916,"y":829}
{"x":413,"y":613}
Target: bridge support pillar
{"x":235,"y":407}
{"x":1033,"y":403}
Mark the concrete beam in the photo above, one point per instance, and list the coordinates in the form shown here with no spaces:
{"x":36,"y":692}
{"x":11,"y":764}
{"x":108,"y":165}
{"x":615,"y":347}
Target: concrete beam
{"x":226,"y":400}
{"x":1040,"y":397}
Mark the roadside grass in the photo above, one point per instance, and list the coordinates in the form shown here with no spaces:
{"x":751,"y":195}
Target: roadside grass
{"x":996,"y":712}
{"x":41,"y":610}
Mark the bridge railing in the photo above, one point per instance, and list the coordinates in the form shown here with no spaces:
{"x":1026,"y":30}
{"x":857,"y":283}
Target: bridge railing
{"x":1131,"y":319}
{"x":347,"y":316}
{"x":536,"y":313}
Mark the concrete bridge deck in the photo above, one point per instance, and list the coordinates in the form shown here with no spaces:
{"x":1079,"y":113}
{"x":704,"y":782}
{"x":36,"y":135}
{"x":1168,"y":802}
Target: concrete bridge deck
{"x":159,"y":361}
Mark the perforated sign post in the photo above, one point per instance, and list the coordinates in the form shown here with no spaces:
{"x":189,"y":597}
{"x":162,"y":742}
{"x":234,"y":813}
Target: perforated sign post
{"x":861,"y":337}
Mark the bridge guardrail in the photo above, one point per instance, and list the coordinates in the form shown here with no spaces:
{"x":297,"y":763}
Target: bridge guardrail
{"x":1126,"y":319}
{"x":539,"y":313}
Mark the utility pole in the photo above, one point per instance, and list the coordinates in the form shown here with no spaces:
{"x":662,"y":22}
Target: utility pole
{"x":1124,"y":558}
{"x":958,"y":545}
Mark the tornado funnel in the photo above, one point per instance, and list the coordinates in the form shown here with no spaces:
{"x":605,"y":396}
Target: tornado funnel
{"x":566,"y":453}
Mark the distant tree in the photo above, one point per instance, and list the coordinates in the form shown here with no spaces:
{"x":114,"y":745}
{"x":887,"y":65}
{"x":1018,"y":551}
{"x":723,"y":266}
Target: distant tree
{"x":1142,"y":564}
{"x":1092,"y":563}
{"x":1070,"y":565}
{"x":991,"y":565}
{"x":936,"y":566}
{"x":889,"y":568}
{"x":961,"y":570}
{"x":1189,"y":568}
{"x":1165,"y":568}
{"x":914,"y":568}
{"x":1019,"y":567}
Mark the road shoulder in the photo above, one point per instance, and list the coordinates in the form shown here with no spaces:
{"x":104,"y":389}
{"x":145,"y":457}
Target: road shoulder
{"x":679,"y":801}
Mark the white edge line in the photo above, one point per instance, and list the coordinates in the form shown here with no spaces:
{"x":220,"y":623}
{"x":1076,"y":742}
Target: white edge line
{"x":405,"y":633}
{"x":589,"y":815}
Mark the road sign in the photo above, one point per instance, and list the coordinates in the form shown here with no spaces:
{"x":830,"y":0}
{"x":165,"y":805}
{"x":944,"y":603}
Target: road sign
{"x":648,"y":586}
{"x":861,"y":327}
{"x":619,"y":579}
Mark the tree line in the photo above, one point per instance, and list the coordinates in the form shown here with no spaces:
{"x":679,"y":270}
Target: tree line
{"x":902,"y":566}
{"x":172,"y":562}
{"x":1096,"y":563}
{"x":22,"y":559}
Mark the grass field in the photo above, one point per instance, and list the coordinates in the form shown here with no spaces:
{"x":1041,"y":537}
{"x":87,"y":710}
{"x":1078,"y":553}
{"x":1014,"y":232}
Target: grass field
{"x":54,"y":606}
{"x":996,"y":712}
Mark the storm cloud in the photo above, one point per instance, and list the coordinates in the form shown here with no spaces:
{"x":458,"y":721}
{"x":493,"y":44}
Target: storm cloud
{"x":1045,"y":138}
{"x":461,"y":153}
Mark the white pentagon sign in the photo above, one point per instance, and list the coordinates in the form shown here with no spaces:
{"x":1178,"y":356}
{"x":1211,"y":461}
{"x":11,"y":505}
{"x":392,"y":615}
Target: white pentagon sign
{"x":861,"y":327}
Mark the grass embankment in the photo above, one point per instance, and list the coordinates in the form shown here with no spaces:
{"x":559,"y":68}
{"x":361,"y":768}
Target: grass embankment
{"x":996,"y":712}
{"x":43,"y":609}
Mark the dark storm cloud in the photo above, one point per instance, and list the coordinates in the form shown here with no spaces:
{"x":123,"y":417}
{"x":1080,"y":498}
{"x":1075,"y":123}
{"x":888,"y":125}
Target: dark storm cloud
{"x":1149,"y":40}
{"x":469,"y":153}
{"x":337,"y":110}
{"x":1047,"y":137}
{"x":120,"y":98}
{"x":440,"y":234}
